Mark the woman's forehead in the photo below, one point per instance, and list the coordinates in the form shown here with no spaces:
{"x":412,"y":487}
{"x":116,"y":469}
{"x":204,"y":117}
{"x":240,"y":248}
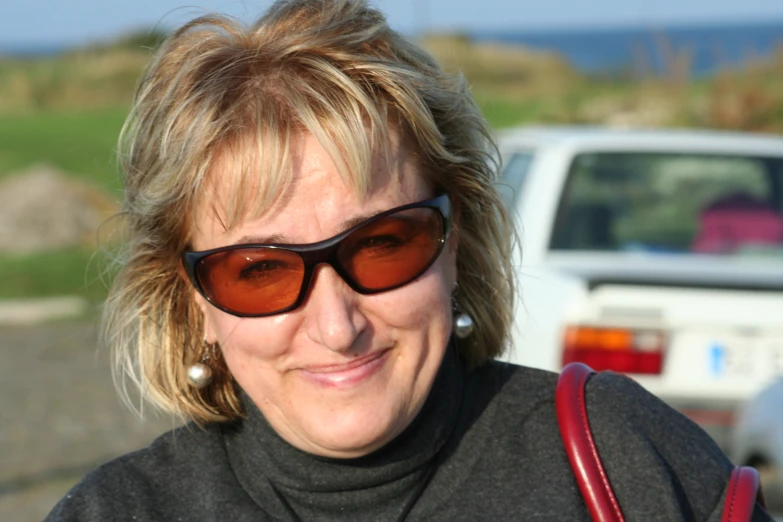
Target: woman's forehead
{"x":239,"y":192}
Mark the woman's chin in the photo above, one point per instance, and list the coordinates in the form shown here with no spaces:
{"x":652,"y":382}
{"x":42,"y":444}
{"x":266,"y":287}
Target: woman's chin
{"x":351,"y":434}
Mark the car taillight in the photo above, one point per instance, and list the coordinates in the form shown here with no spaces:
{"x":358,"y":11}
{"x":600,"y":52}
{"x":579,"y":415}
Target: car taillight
{"x":618,"y":349}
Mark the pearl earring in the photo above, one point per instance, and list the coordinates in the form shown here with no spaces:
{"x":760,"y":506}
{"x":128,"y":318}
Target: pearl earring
{"x":463,"y":325}
{"x":200,"y":373}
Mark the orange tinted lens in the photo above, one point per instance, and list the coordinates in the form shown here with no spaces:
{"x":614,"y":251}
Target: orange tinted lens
{"x":252,"y":280}
{"x":393,"y":250}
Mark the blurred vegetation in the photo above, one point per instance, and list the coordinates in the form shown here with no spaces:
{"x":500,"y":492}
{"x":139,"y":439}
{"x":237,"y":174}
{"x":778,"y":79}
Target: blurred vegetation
{"x":67,"y":110}
{"x":73,"y":271}
{"x":516,"y":85}
{"x":81,"y":142}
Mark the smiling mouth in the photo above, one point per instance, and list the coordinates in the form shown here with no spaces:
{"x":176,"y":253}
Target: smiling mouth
{"x":349,"y":374}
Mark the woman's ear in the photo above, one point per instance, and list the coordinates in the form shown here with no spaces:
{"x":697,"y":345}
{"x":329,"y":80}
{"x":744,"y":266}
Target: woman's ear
{"x":452,"y":249}
{"x":203,"y":306}
{"x":207,"y":319}
{"x":453,"y":241}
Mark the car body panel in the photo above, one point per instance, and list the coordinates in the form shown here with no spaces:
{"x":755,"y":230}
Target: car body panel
{"x":758,"y":439}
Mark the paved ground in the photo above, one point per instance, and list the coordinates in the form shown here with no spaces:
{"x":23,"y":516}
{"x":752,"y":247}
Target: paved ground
{"x":59,"y":416}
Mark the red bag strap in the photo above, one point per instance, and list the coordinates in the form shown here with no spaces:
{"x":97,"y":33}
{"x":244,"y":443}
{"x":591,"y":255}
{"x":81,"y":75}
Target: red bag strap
{"x":742,"y":493}
{"x":580,"y":446}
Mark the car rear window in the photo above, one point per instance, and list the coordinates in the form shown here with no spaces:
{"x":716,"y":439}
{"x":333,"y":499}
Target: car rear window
{"x":680,"y":203}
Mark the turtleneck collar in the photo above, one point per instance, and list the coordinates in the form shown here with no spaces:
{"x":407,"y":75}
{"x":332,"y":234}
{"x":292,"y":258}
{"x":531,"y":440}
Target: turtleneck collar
{"x":259,"y":456}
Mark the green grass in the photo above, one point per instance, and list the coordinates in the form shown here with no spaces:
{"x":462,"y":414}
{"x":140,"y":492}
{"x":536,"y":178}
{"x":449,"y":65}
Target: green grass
{"x":77,"y":271}
{"x":502,"y":113}
{"x":81,"y":143}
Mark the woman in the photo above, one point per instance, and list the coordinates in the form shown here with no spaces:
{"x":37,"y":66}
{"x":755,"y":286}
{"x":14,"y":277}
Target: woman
{"x":318,"y":276}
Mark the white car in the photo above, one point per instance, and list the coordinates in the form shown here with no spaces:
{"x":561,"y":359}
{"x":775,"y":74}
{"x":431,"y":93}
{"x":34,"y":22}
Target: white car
{"x":758,"y":440}
{"x":654,"y":253}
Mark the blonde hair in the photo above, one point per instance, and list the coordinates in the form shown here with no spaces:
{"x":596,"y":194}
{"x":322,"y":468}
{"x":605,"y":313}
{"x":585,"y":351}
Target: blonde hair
{"x":332,"y":68}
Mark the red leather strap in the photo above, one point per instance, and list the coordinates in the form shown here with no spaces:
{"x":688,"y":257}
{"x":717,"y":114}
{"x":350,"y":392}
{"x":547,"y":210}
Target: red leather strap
{"x":580,"y":446}
{"x":742,"y":493}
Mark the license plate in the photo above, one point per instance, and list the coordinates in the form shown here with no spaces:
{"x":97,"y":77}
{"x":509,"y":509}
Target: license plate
{"x":744,"y":356}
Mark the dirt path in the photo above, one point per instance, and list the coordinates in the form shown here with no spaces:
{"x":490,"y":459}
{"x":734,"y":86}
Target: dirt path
{"x":59,"y":416}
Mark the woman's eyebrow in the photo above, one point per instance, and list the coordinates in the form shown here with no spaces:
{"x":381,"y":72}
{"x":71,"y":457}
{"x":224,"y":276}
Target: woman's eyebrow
{"x":264,"y":240}
{"x":280,"y":239}
{"x":357,"y":220}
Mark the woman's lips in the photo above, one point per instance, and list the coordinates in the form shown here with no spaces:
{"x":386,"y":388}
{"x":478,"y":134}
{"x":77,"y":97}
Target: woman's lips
{"x":346,"y":375}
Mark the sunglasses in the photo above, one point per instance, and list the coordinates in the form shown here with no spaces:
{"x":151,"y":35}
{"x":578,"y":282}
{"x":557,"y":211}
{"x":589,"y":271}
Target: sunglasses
{"x":385,"y":252}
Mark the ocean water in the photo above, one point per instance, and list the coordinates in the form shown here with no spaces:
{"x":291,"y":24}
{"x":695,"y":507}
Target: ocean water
{"x":27,"y":50}
{"x":645,"y":50}
{"x":624,"y":50}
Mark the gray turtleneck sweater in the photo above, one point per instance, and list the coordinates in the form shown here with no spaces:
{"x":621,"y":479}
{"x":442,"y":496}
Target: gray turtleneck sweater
{"x":485,"y":447}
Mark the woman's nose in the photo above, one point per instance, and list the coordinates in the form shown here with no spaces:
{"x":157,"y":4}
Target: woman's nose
{"x":333,"y":318}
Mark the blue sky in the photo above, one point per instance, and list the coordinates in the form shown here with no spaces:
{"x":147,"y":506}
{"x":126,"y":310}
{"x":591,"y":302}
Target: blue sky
{"x":57,"y":22}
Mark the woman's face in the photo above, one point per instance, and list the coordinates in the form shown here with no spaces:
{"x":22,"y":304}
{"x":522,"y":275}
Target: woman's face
{"x":345,"y":373}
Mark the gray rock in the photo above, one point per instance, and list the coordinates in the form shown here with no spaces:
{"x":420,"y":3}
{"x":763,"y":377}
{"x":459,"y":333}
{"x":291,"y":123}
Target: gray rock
{"x":43,"y":209}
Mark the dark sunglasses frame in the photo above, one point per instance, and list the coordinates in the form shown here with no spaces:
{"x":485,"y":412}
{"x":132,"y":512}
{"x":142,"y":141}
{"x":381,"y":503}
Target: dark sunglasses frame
{"x":314,"y":254}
